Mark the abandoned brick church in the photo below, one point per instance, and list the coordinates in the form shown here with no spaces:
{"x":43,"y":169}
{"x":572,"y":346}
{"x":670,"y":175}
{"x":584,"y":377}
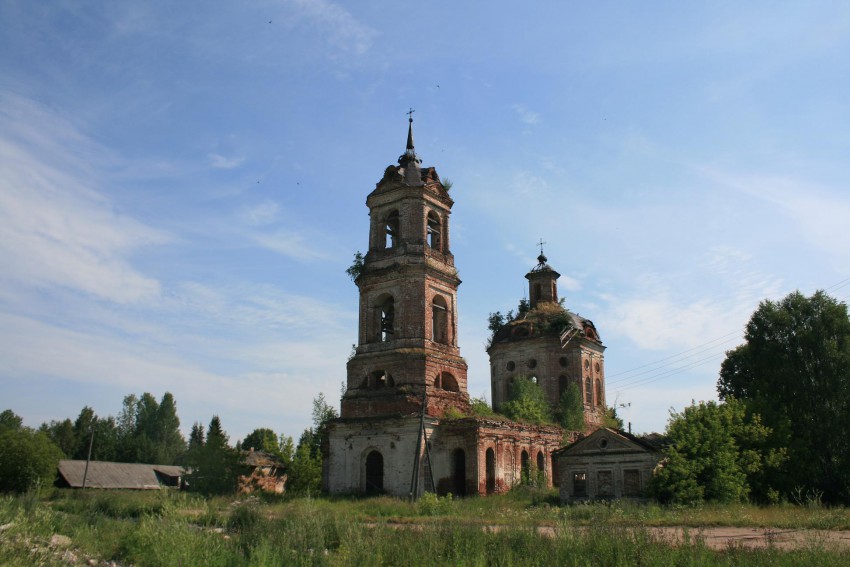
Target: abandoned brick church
{"x":399,"y":430}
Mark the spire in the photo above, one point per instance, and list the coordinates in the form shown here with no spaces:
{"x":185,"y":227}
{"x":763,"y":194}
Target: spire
{"x":409,"y":159}
{"x":410,"y":133}
{"x":541,"y":260}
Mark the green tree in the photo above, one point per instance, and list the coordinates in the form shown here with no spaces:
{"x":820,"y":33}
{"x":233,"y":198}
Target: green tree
{"x":714,"y":452}
{"x":305,"y":470}
{"x":83,"y":428}
{"x":62,"y":434}
{"x":262,"y":439}
{"x":527,"y":402}
{"x":610,"y":418}
{"x":214,"y":465}
{"x":28,"y":459}
{"x":168,"y":441}
{"x":287,"y":450}
{"x":571,"y":409}
{"x":196,"y":437}
{"x":10,"y":420}
{"x":794,"y":370}
{"x":323,"y":413}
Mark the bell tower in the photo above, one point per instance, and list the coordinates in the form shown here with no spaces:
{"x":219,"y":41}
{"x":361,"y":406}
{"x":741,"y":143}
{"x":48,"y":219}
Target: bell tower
{"x":407,"y":343}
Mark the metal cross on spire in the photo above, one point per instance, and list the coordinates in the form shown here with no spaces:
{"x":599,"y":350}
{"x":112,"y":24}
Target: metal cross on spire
{"x":540,"y":244}
{"x":410,"y":114}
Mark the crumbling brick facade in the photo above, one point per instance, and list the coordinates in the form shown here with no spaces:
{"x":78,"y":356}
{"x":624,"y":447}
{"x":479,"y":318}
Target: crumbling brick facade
{"x":551,"y":346}
{"x":406,"y":384}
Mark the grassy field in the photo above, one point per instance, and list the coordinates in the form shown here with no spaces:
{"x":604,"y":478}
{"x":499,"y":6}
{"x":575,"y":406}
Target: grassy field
{"x":175,"y":529}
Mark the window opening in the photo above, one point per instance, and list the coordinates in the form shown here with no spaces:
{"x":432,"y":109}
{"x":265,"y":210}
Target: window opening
{"x":588,"y":391}
{"x":525,"y":467}
{"x":562,"y":385}
{"x":439,"y":320}
{"x":541,"y":464}
{"x":490,"y":465}
{"x":433,"y":232}
{"x":449,"y":383}
{"x":599,"y":392}
{"x":387,"y":316}
{"x":579,"y":484}
{"x":380,"y":379}
{"x":392,"y":230}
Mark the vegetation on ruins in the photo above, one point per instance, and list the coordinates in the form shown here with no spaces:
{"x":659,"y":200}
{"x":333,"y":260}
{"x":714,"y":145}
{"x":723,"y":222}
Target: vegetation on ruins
{"x":794,"y":371}
{"x":356,"y":267}
{"x":527,"y":403}
{"x":546,"y":318}
{"x":571,"y":409}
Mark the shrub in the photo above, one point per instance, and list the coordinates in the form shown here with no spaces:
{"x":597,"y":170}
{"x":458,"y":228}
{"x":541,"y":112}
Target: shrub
{"x":28,"y":459}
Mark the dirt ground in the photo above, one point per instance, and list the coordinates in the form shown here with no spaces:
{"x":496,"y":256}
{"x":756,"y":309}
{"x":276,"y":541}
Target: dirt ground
{"x":725,"y":537}
{"x":719,"y":538}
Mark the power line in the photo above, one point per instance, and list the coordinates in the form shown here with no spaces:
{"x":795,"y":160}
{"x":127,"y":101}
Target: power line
{"x":722,"y":339}
{"x":679,"y":357}
{"x":670,"y":372}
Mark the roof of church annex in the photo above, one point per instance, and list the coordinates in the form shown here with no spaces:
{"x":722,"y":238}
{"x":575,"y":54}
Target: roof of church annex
{"x":409,"y":171}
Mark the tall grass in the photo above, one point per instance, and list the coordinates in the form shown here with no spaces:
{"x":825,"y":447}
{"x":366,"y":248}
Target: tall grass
{"x":175,"y":530}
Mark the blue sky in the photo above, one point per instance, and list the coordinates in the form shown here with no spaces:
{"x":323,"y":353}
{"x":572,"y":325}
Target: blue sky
{"x":182,"y":186}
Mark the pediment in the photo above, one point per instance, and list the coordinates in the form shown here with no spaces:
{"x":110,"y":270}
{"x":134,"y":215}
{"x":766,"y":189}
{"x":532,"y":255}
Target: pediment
{"x":603,"y":441}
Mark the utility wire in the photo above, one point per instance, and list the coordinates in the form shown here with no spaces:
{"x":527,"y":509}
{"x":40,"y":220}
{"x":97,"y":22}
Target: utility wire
{"x":679,"y":357}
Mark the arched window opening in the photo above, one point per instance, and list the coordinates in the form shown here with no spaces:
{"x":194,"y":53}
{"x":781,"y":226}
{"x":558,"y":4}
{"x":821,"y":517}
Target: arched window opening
{"x":598,"y":392}
{"x":535,"y":293}
{"x":533,"y":379}
{"x":386,"y":318}
{"x":434,"y":232}
{"x":541,"y":463}
{"x":459,"y":472}
{"x":562,"y":385}
{"x":588,"y":391}
{"x":374,"y":473}
{"x":438,"y":383}
{"x":525,"y":467}
{"x":380,"y":379}
{"x":439,"y":320}
{"x":490,"y":466}
{"x":392,"y":230}
{"x":449,"y":383}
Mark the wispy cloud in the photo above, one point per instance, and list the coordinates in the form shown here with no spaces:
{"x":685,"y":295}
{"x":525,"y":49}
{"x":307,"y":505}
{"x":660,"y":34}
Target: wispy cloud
{"x":337,"y":25}
{"x":56,"y":229}
{"x":525,"y":115}
{"x":219,"y":161}
{"x":261,"y":214}
{"x":820,"y":214}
